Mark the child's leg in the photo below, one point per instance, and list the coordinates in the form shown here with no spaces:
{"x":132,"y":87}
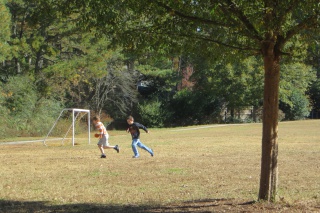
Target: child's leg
{"x":101,"y":149}
{"x":100,"y":146}
{"x":116,"y":147}
{"x":103,"y":142}
{"x":134,"y":147}
{"x":109,"y":147}
{"x":142,"y":146}
{"x":106,"y":145}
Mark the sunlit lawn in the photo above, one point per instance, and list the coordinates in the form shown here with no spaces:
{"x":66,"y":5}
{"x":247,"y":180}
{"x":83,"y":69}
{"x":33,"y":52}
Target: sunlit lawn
{"x":197,"y":164}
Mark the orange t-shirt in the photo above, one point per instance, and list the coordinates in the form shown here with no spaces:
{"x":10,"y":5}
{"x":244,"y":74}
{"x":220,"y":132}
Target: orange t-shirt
{"x":101,"y":128}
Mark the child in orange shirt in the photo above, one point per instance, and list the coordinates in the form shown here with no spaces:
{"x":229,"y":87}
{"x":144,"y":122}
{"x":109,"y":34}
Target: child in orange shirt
{"x":103,"y":137}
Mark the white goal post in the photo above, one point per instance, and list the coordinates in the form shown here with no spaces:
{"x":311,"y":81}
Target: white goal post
{"x":72,"y":126}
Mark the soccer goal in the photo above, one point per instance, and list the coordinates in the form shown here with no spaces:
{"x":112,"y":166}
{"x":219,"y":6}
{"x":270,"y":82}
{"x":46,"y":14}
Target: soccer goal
{"x":76,"y":114}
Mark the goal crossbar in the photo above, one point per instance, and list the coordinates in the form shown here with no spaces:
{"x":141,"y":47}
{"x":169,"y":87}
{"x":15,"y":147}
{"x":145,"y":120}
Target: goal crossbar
{"x":73,"y":110}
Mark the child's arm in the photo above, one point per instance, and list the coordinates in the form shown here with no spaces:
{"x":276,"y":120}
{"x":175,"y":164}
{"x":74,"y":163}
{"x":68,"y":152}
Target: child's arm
{"x":140,"y":126}
{"x":99,"y":127}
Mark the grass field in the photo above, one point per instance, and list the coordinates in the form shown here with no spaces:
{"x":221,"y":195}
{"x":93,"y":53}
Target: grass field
{"x":211,"y":169}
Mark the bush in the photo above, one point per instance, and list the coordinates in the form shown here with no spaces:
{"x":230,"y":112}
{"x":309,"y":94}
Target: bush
{"x":299,"y":107}
{"x":195,"y":107}
{"x":4,"y":119}
{"x":152,"y":113}
{"x":23,"y":112}
{"x":43,"y":116}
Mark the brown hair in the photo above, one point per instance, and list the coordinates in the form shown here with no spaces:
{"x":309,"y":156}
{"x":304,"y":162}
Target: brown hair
{"x":96,"y":118}
{"x":130,"y":118}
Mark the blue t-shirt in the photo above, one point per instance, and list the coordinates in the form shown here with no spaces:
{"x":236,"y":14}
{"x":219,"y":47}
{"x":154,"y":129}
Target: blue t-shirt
{"x":134,"y":130}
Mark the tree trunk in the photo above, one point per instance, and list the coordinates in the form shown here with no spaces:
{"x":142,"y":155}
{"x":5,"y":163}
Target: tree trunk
{"x":232,"y":114}
{"x":269,"y":159}
{"x":38,"y":62}
{"x":254,"y":113}
{"x":130,"y":65}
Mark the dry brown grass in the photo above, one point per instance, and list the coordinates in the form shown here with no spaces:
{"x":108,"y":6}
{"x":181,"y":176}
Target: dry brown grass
{"x":221,"y":164}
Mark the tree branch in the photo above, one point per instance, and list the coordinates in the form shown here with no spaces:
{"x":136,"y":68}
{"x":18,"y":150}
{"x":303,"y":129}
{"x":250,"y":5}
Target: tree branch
{"x":234,"y":9}
{"x":150,"y":31}
{"x":199,"y":37}
{"x":307,"y":23}
{"x":222,"y":43}
{"x":191,"y":18}
{"x":282,"y":17}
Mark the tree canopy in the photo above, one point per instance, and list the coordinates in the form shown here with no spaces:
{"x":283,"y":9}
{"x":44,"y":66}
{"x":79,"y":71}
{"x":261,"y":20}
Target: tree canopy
{"x":5,"y":30}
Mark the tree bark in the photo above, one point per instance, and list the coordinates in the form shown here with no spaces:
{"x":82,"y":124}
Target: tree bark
{"x":254,"y":113}
{"x":269,"y":159}
{"x":130,"y":65}
{"x":232,"y":114}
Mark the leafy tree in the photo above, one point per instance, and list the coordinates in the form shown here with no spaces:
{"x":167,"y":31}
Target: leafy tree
{"x":5,"y":31}
{"x":62,"y":61}
{"x":313,"y":58}
{"x":239,"y":84}
{"x":158,"y":80}
{"x":190,"y":107}
{"x":315,"y":94}
{"x":295,"y":81}
{"x":115,"y":91}
{"x":48,"y":62}
{"x":23,"y":111}
{"x":299,"y":108}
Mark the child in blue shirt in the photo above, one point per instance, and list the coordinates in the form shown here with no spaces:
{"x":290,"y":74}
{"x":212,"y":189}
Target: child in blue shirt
{"x":135,"y":133}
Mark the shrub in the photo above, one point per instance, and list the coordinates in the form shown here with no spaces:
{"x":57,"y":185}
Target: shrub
{"x":195,"y":107}
{"x":299,"y":106}
{"x":152,"y":113}
{"x":23,"y":112}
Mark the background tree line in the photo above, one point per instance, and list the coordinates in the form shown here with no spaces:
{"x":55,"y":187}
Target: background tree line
{"x":49,"y":62}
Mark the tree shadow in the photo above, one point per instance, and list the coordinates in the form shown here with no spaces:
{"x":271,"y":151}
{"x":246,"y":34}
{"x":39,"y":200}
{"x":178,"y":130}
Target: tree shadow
{"x":203,"y":206}
{"x":206,"y":205}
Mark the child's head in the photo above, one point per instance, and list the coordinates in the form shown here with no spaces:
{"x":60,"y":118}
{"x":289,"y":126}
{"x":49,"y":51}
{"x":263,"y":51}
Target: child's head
{"x":130,"y":120}
{"x":95,"y":119}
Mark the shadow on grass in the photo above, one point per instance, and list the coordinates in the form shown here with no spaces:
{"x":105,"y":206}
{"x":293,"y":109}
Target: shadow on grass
{"x":207,"y":205}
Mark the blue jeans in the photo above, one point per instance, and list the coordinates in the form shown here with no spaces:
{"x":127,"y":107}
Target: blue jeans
{"x":137,"y":142}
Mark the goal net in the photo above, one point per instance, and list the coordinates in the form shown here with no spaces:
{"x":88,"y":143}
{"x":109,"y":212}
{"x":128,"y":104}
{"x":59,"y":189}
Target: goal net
{"x":69,"y":122}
